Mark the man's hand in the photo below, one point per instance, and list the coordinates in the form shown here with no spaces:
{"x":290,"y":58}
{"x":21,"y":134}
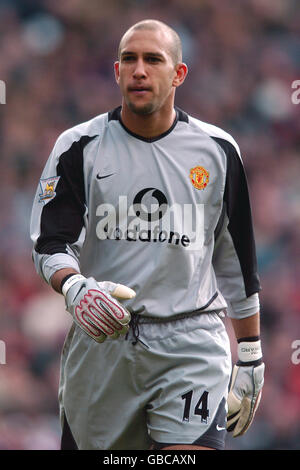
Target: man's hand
{"x":246,"y":387}
{"x":94,"y":308}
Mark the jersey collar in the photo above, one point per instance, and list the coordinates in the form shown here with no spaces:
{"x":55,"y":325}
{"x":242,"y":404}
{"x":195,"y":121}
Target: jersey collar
{"x":115,"y":115}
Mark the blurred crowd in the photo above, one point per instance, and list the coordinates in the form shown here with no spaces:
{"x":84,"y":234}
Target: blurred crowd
{"x":56,"y":59}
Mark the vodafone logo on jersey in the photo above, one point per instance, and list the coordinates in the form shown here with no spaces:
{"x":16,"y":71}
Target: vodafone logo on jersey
{"x":149,"y":218}
{"x":141,"y":209}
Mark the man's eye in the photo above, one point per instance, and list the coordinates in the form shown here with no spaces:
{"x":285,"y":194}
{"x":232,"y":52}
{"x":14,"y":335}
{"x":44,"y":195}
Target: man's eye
{"x":153,"y":59}
{"x":127,"y":58}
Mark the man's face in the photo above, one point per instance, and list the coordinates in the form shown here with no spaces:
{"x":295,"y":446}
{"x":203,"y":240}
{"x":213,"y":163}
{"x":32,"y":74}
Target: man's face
{"x":145,"y":71}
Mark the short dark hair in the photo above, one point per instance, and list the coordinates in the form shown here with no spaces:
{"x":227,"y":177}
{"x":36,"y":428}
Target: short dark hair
{"x":175,"y":49}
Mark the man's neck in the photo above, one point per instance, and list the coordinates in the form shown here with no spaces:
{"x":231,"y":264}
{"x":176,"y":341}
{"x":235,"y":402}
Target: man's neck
{"x":150,"y":125}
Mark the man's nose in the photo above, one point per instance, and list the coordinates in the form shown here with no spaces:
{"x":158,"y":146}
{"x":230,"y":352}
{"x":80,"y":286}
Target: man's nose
{"x":139,"y":71}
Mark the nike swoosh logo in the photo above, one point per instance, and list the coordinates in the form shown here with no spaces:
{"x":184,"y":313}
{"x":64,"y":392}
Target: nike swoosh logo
{"x":99,"y":177}
{"x":220,"y":428}
{"x":82,"y":287}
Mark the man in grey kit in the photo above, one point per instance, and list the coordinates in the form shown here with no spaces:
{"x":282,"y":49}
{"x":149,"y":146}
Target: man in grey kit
{"x":150,"y":206}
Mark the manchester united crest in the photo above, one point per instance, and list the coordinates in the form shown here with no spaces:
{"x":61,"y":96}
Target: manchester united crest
{"x":199,"y":177}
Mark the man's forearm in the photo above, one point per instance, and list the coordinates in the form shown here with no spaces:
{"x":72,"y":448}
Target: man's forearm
{"x":246,"y":327}
{"x":59,"y":275}
{"x":247,"y":332}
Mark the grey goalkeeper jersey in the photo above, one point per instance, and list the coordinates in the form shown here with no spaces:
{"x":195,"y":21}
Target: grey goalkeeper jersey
{"x":169,"y":217}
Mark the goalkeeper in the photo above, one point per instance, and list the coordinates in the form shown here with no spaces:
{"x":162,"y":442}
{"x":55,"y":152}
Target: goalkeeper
{"x":142,"y":221}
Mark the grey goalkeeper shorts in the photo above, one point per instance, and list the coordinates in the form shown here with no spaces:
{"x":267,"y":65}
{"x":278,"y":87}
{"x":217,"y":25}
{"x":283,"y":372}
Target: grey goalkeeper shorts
{"x":166,"y":385}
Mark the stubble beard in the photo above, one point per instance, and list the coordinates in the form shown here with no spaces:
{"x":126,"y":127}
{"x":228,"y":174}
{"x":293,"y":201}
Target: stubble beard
{"x":144,"y":110}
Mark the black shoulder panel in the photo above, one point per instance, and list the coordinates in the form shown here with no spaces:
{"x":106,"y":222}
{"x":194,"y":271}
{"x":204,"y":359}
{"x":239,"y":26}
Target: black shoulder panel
{"x":62,"y":217}
{"x":237,"y":203}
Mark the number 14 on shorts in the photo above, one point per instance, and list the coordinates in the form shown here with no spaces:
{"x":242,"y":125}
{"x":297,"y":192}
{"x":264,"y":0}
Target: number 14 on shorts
{"x":200,"y":408}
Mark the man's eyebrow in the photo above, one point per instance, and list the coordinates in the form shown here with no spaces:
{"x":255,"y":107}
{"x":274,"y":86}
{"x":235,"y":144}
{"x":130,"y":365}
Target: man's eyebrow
{"x":154,"y":54}
{"x":148,"y":54}
{"x":127,"y":53}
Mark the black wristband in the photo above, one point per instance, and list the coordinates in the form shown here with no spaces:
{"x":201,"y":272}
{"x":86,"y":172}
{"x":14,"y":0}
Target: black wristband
{"x":65,"y":279}
{"x":249,"y":338}
{"x":252,"y":363}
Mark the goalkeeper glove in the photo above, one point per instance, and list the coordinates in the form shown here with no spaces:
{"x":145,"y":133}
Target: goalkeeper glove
{"x":246,"y":386}
{"x":94,"y":308}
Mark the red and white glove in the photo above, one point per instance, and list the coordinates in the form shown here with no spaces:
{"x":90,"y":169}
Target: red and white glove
{"x":246,"y":386}
{"x":94,"y":308}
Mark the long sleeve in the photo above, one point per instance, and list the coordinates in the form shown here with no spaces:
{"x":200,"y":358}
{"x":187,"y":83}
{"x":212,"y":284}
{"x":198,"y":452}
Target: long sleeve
{"x":59,"y":214}
{"x":234,"y":258}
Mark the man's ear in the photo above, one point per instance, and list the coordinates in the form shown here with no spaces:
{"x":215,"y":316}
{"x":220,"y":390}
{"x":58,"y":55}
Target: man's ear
{"x":117,"y":71}
{"x":181,"y":70}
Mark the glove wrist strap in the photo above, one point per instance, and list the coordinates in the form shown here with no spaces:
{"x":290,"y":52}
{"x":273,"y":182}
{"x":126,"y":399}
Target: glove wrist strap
{"x":249,"y":350}
{"x":69,"y":281}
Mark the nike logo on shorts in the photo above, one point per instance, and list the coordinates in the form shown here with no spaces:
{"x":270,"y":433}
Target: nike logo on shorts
{"x":220,"y":428}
